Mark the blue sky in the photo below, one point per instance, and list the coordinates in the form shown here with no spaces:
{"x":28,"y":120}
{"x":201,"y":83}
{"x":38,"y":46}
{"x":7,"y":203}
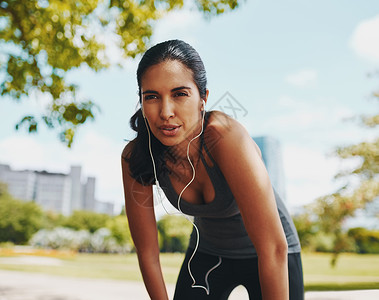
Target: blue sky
{"x":298,"y":67}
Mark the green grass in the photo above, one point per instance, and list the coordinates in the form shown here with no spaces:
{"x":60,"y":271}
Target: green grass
{"x":110,"y":266}
{"x":86,"y":265}
{"x":351,"y":272}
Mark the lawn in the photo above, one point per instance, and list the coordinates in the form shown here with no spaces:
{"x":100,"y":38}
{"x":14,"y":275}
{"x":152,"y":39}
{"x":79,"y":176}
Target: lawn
{"x":351,"y":272}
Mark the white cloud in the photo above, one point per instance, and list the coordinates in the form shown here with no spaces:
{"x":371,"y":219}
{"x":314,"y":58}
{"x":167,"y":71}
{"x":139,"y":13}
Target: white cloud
{"x":292,"y":114}
{"x":300,"y":118}
{"x":365,"y":39}
{"x":178,"y":24}
{"x":113,"y":53}
{"x":309,"y":174}
{"x":287,"y":101}
{"x":22,"y":152}
{"x":302,"y":78}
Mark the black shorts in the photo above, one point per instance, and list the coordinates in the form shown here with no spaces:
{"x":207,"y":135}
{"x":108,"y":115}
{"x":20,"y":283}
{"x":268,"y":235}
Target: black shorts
{"x":230,"y":274}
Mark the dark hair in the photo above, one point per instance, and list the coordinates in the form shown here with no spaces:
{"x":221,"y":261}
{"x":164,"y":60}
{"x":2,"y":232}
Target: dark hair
{"x":139,"y":159}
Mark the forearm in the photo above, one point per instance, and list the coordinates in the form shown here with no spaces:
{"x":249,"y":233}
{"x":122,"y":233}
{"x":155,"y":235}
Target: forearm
{"x":153,"y":277}
{"x":273,"y":276}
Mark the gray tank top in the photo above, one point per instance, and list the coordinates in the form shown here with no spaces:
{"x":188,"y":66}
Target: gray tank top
{"x":222,"y":231}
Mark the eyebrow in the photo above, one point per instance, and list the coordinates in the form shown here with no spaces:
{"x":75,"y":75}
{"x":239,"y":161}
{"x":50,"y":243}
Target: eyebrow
{"x":149,"y":92}
{"x":180,"y":88}
{"x":173,"y":90}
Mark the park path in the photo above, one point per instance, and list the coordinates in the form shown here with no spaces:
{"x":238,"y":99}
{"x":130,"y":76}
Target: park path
{"x":35,"y":286}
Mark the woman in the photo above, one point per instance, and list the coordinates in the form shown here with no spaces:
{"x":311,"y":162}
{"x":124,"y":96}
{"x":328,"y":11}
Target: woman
{"x":210,"y":168}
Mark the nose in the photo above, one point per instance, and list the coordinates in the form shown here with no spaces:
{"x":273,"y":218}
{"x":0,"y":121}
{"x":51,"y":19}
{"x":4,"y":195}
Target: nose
{"x":167,"y":109}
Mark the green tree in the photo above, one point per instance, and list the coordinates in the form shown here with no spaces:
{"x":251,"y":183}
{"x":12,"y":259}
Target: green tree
{"x":361,"y":187}
{"x":41,"y":40}
{"x":120,"y":230}
{"x":87,"y":220}
{"x":366,"y":241}
{"x":174,"y":232}
{"x":19,"y":220}
{"x":306,"y":228}
{"x":52,"y":220}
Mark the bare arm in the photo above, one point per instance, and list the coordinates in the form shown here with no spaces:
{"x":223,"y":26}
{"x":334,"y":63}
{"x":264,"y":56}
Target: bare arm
{"x":140,"y":212}
{"x":242,"y":166}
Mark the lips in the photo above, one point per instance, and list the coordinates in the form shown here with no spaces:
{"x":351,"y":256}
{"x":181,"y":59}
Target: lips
{"x":169,"y":130}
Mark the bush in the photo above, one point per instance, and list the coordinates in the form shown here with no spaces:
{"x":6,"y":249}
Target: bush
{"x":307,"y":230}
{"x":62,"y":238}
{"x":102,"y":241}
{"x":53,"y":219}
{"x":86,"y":220}
{"x":322,"y":242}
{"x":120,"y":230}
{"x":366,"y":241}
{"x":174,"y":233}
{"x":19,"y":220}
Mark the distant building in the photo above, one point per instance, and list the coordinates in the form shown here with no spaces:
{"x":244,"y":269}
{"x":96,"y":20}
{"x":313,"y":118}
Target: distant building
{"x":53,"y":192}
{"x":104,"y":207}
{"x":62,"y":193}
{"x":88,"y":194}
{"x":21,"y":184}
{"x":76,"y":188}
{"x":273,"y":160}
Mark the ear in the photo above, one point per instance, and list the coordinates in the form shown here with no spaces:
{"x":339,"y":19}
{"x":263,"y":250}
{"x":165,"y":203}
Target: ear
{"x":204,"y":100}
{"x":206,"y":96}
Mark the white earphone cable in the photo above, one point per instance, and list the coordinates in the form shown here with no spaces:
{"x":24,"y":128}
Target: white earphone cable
{"x":154,"y":168}
{"x":194,"y":285}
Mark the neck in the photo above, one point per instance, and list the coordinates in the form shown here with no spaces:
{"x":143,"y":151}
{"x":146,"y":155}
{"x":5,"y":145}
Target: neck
{"x":179,"y":152}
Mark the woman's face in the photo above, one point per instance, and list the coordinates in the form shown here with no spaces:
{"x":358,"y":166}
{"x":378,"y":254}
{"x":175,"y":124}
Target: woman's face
{"x":171,"y":102}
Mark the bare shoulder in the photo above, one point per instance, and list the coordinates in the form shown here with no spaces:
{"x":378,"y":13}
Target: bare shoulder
{"x":225,"y":129}
{"x":226,"y":133}
{"x":221,"y":121}
{"x":128,"y":149}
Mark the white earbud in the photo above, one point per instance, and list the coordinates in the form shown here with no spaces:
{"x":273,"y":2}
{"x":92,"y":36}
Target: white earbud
{"x":203,"y":104}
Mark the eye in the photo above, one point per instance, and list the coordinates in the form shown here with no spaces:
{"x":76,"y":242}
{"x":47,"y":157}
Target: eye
{"x":181,"y":94}
{"x":150,"y":97}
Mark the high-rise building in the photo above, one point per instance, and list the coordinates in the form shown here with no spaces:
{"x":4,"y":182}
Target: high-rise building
{"x":76,"y":188}
{"x":57,"y":192}
{"x":273,"y":160}
{"x":21,"y":185}
{"x":104,"y":207}
{"x":88,"y":196}
{"x":53,"y":192}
